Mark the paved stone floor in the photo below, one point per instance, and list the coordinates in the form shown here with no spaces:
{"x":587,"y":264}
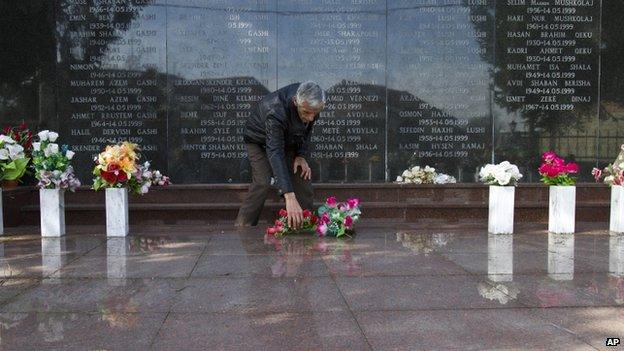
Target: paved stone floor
{"x":392,"y":287}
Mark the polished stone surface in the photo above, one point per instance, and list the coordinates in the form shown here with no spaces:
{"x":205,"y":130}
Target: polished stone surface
{"x":391,"y":287}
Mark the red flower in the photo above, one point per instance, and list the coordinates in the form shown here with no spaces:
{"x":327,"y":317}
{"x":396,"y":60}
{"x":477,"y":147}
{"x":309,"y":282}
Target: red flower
{"x":6,"y":130}
{"x":549,"y":156}
{"x":23,"y":126}
{"x":109,"y":177}
{"x":549,"y":170}
{"x":348,"y":221}
{"x":122,"y":177}
{"x":353,"y":202}
{"x":307,"y":213}
{"x":16,"y":137}
{"x":313,"y":220}
{"x":571,"y":167}
{"x":325,"y":218}
{"x":271,"y":231}
{"x":331,"y":201}
{"x":283,"y":213}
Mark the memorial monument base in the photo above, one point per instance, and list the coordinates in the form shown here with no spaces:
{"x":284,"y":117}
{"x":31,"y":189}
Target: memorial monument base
{"x":219,"y":203}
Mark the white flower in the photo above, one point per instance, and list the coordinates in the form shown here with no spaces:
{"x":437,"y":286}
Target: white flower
{"x":43,"y":135}
{"x":69,"y":154}
{"x":36,"y":146}
{"x":51,"y":149}
{"x":6,"y":139}
{"x":399,"y":179}
{"x":429,"y":169}
{"x":415,"y":169}
{"x":145,"y":188}
{"x":502,"y":177}
{"x":53,"y":136}
{"x":4,"y":154}
{"x":407,"y":174}
{"x":16,"y":151}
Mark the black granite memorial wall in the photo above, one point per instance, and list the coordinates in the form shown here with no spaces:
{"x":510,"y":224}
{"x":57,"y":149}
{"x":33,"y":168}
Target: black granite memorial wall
{"x":452,"y":84}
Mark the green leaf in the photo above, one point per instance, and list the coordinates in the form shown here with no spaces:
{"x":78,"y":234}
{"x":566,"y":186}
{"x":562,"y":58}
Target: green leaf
{"x":15,"y":169}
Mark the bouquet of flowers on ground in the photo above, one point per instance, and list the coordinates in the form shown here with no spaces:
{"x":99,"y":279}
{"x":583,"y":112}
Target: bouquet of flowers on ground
{"x":502,"y":174}
{"x":22,"y":136}
{"x":13,"y":160}
{"x":426,"y":175}
{"x":613,"y":174}
{"x":117,"y":167}
{"x":52,"y":163}
{"x":337,"y":219}
{"x":555,"y":171}
{"x":281,"y":226}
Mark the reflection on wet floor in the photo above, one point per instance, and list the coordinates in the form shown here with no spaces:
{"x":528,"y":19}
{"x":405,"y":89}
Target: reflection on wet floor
{"x":159,"y":290}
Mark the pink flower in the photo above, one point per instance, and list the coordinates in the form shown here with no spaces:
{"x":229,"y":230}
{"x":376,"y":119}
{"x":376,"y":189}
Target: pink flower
{"x":597,"y":173}
{"x":549,"y":156}
{"x":353,"y":203}
{"x":321,"y":230}
{"x":571,"y":168}
{"x":283,"y":213}
{"x":348,"y":221}
{"x":549,"y":170}
{"x":325,"y":218}
{"x":271,"y":231}
{"x":331,"y":201}
{"x":343,"y":207}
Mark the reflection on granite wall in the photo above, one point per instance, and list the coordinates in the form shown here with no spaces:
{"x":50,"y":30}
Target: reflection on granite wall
{"x":451,"y":84}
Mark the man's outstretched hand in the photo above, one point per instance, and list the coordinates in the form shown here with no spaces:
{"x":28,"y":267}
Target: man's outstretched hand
{"x":306,"y":171}
{"x":295,"y":213}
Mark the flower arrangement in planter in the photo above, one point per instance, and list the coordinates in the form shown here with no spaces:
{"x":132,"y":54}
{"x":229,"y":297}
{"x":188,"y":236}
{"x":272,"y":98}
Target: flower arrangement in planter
{"x":117,"y":167}
{"x":502,"y":174}
{"x":52,"y":163}
{"x":556,"y":172}
{"x":502,"y":179}
{"x":334,"y":219}
{"x":13,"y":159}
{"x":424,"y":175}
{"x":21,"y":134}
{"x":613,"y":176}
{"x":117,"y":170}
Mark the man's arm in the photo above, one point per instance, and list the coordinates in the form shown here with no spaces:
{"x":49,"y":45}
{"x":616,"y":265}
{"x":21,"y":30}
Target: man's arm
{"x":277,"y":158}
{"x":275,"y":144}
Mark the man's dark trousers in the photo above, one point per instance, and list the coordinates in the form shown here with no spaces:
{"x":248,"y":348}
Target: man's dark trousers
{"x":261,"y":173}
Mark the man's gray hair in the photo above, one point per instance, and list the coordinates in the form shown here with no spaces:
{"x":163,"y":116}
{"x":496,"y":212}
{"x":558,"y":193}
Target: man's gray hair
{"x":311,"y":93}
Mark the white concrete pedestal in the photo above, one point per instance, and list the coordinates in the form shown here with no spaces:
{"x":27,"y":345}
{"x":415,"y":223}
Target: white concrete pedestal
{"x":501,"y":209}
{"x":616,"y":223}
{"x":117,"y":221}
{"x":561,"y":209}
{"x":52,"y":212}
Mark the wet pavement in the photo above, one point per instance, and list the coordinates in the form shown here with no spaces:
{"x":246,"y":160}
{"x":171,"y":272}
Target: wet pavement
{"x":391,"y":287}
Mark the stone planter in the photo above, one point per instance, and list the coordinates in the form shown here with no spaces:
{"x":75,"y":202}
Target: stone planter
{"x":560,"y":256}
{"x":616,"y":222}
{"x":117,"y":221}
{"x":561,"y":209}
{"x":52,"y":212}
{"x":501,"y":209}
